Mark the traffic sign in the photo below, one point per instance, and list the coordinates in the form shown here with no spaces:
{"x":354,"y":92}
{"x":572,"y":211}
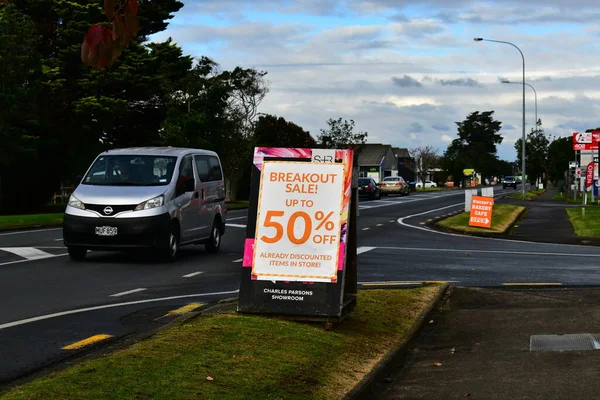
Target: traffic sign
{"x":578,"y":172}
{"x":481,"y":211}
{"x":586,"y":140}
{"x":573,"y":164}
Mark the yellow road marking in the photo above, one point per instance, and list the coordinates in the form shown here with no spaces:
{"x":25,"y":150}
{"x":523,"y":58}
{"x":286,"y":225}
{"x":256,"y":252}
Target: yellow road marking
{"x":422,"y":223}
{"x":184,"y":309}
{"x":87,"y":342}
{"x":532,"y":284}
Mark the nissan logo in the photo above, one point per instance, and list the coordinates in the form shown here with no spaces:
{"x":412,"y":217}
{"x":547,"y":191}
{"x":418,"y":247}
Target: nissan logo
{"x":108,"y":210}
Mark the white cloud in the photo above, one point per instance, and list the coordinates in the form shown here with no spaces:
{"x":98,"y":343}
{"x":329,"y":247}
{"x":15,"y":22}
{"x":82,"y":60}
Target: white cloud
{"x":446,"y":138}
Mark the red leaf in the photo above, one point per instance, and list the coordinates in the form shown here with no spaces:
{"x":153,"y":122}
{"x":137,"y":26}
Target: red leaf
{"x":437,"y":364}
{"x":94,"y":35}
{"x":109,"y":8}
{"x":210,"y":378}
{"x":118,"y":27}
{"x":133,"y":6}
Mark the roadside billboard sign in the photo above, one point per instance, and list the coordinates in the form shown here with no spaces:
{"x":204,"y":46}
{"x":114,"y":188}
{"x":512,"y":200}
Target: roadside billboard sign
{"x":586,"y":140}
{"x":297,"y":232}
{"x":481,"y":211}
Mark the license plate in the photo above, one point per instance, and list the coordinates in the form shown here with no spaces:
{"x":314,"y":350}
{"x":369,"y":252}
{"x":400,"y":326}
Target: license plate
{"x":106,"y":231}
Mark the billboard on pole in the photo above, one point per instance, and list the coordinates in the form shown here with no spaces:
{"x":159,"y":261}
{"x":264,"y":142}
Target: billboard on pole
{"x":586,"y":140}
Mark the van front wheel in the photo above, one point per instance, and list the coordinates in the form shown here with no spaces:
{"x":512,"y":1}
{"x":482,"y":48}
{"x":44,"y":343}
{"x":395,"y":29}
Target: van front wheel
{"x":170,"y":245}
{"x":214,"y":241}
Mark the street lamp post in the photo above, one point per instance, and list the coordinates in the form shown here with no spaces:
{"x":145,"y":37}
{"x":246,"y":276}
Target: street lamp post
{"x":535,"y":93}
{"x":478,"y":39}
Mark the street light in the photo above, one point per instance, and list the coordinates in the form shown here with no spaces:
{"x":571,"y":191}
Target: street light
{"x":478,"y":39}
{"x":535,"y":93}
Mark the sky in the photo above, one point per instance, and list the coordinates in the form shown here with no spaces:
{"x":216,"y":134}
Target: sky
{"x":407,"y":70}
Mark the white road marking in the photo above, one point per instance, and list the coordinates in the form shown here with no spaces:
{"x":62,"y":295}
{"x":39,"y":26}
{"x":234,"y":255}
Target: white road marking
{"x":366,"y":229}
{"x":105,"y":306}
{"x":379,"y":224}
{"x":524,"y":253}
{"x":30,"y":231}
{"x":193,"y":274}
{"x":236,"y":225}
{"x":238,"y":260}
{"x":30,"y":253}
{"x":128,"y":292}
{"x":22,"y":261}
{"x":392,"y":220}
{"x":236,"y":218}
{"x":58,"y":240}
{"x":364,"y":249}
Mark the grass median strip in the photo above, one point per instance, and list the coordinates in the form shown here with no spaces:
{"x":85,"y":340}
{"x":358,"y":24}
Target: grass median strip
{"x":504,"y":215}
{"x":530,"y":195}
{"x":585,"y":221}
{"x":231,"y":356}
{"x":29,"y":220}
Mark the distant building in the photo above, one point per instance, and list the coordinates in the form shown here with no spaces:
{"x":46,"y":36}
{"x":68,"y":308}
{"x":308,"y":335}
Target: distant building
{"x":405,"y":164}
{"x":377,"y":161}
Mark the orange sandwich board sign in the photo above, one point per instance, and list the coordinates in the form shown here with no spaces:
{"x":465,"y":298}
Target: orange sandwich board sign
{"x":481,"y":211}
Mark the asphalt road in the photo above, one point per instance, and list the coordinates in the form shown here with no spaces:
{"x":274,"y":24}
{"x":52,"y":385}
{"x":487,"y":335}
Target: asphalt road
{"x":48,"y":302}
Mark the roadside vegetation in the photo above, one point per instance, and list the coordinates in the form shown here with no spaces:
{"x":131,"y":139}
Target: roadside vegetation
{"x":232,"y":356}
{"x":579,"y":201}
{"x":503,"y":217}
{"x":585,"y":221}
{"x":529,"y":195}
{"x":30,"y":221}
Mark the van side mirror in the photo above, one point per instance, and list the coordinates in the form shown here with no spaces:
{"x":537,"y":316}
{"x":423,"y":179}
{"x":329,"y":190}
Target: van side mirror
{"x":189,"y":185}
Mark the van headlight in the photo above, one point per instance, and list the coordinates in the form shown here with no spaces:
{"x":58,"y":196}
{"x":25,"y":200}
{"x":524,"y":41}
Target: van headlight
{"x":76,"y":203}
{"x":152,"y":203}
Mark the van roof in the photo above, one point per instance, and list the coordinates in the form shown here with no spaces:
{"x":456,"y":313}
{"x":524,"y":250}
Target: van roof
{"x":159,"y":151}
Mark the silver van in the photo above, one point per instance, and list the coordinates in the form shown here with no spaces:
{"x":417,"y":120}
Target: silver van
{"x":147,"y":197}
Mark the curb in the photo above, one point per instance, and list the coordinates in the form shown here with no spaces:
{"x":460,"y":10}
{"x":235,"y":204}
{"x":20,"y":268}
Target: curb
{"x":30,"y":227}
{"x":361,"y":390}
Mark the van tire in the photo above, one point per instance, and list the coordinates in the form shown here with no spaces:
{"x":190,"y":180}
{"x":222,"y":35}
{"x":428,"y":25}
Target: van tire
{"x":214,"y":241}
{"x":169,"y":246}
{"x":77,"y":253}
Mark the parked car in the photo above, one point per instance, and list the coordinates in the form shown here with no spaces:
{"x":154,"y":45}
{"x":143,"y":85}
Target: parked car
{"x":367,"y":187}
{"x":509,"y":181}
{"x":428,"y":184}
{"x":394,"y":184}
{"x":155,"y":197}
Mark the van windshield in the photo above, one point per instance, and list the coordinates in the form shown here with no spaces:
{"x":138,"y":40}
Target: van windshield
{"x":131,"y":170}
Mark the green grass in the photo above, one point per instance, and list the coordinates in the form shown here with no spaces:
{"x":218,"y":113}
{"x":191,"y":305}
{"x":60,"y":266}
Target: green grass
{"x":237,"y":205}
{"x":504,"y":215}
{"x":249,"y":357}
{"x":585,"y":221}
{"x":530,"y":195}
{"x":30,"y":220}
{"x":430,"y":189}
{"x":579,"y":201}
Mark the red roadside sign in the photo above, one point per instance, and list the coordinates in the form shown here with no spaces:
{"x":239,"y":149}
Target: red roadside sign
{"x":589,"y":174}
{"x":586,"y":140}
{"x":481,"y":211}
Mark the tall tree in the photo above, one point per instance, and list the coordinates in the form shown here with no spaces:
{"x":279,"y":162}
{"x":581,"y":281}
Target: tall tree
{"x":426,"y":158}
{"x":277,"y":132}
{"x":83,"y":110}
{"x":536,"y":153}
{"x":476,"y":145}
{"x":340,"y":134}
{"x":560,"y":152}
{"x":216,"y":110}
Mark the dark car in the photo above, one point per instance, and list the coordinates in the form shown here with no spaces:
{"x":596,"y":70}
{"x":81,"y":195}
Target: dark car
{"x":368,"y":188}
{"x":509,"y":181}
